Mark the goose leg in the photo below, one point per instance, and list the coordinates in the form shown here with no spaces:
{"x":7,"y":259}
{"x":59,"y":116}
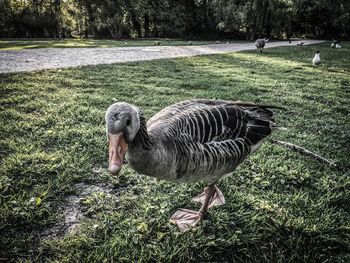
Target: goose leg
{"x":217,"y":197}
{"x":185,"y":218}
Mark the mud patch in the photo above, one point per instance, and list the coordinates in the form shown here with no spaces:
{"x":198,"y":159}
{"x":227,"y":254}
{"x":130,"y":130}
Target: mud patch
{"x":72,"y":214}
{"x":80,"y":206}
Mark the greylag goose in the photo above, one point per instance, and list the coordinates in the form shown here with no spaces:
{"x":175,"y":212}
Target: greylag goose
{"x":260,"y":43}
{"x":191,"y":141}
{"x":316,"y":60}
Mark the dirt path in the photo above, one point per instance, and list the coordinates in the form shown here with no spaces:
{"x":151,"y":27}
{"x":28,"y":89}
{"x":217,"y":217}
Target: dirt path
{"x":45,"y":58}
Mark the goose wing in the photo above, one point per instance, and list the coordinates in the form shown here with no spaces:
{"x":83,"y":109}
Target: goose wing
{"x":215,"y":120}
{"x":206,"y":139}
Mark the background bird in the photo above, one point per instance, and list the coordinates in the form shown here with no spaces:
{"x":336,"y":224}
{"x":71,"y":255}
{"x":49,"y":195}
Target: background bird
{"x":260,"y":43}
{"x":317,"y":59}
{"x":191,"y":141}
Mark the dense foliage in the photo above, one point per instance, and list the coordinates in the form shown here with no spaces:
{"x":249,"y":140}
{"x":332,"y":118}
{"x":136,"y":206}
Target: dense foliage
{"x":175,"y":18}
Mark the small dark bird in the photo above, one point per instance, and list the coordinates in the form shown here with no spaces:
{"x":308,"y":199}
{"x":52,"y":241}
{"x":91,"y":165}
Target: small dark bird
{"x":260,"y":43}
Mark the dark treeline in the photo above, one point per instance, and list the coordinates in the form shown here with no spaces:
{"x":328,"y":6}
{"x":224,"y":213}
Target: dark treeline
{"x":175,"y":18}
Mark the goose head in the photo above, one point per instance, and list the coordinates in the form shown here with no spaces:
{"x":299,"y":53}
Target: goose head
{"x":122,"y":125}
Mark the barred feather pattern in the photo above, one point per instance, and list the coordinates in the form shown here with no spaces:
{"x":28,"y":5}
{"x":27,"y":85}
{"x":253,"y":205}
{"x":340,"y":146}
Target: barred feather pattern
{"x":199,"y":140}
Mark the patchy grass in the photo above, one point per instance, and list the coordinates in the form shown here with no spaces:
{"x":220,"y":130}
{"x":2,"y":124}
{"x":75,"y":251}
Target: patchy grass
{"x":281,"y":207}
{"x":18,"y":44}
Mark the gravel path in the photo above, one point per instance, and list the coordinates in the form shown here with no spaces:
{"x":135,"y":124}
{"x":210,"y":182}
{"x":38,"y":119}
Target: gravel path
{"x":45,"y":58}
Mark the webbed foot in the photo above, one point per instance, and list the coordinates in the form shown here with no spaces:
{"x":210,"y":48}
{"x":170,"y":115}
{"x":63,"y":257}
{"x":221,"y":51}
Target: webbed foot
{"x":216,"y":199}
{"x":185,"y":218}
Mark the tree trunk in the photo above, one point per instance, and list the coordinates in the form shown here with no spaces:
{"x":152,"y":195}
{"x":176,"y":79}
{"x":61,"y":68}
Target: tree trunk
{"x":91,"y":18}
{"x":134,"y":20}
{"x":155,"y":31}
{"x":111,"y":31}
{"x":146,"y":25}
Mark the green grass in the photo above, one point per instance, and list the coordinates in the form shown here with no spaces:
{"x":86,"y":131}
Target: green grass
{"x":281,"y":206}
{"x":19,"y":44}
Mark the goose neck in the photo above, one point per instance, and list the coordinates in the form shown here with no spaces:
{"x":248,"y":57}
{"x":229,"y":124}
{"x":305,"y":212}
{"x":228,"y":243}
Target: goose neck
{"x":142,"y":138}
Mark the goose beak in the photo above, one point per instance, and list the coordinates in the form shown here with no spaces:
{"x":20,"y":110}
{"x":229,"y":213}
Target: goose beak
{"x":117,"y":150}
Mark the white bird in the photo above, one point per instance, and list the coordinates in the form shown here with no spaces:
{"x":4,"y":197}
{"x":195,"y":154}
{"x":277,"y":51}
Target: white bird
{"x":332,"y":45}
{"x":316,"y":60}
{"x":337,"y":46}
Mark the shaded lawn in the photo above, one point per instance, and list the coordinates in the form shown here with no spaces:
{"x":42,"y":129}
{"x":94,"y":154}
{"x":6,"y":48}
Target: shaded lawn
{"x":18,"y":44}
{"x":281,"y":206}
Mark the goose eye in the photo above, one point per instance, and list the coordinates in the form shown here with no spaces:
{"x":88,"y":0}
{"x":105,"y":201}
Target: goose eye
{"x":128,"y":122}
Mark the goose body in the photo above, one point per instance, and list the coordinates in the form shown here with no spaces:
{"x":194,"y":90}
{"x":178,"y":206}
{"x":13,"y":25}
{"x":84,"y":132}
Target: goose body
{"x":191,"y":141}
{"x":198,"y":140}
{"x":337,"y":46}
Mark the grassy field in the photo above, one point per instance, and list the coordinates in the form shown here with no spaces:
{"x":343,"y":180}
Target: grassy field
{"x":60,"y":204}
{"x":18,"y":44}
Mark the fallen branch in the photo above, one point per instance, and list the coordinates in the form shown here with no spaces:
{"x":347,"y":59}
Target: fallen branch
{"x":304,"y":151}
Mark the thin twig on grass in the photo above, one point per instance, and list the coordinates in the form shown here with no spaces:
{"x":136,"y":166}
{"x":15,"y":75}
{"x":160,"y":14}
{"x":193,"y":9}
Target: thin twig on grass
{"x":304,"y":151}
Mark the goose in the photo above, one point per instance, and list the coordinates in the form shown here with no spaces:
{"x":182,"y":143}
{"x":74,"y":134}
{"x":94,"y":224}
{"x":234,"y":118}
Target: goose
{"x":191,"y":141}
{"x":316,"y":60}
{"x":260,"y":43}
{"x":333,"y":45}
{"x":337,"y":46}
{"x":300,"y":43}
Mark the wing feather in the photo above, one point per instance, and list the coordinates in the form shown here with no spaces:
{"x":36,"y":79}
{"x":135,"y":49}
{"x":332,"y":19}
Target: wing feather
{"x":212,"y":120}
